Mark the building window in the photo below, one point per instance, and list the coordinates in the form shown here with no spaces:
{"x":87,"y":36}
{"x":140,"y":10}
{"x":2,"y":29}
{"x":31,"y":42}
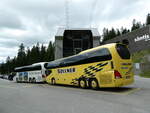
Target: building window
{"x":125,"y":41}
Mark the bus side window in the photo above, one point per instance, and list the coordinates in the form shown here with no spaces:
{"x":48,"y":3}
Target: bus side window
{"x":99,"y":55}
{"x":48,"y":72}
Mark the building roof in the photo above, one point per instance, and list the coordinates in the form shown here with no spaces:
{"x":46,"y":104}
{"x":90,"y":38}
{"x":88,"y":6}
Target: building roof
{"x":95,"y":33}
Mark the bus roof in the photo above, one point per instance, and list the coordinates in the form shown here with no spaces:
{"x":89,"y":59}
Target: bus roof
{"x":102,"y":46}
{"x":39,"y":63}
{"x":28,"y":68}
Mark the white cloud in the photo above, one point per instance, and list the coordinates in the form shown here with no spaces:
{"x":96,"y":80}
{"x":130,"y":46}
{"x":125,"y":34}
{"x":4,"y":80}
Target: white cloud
{"x":5,"y":52}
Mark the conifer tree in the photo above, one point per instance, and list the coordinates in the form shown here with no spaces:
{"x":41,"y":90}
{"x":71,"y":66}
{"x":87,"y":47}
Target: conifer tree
{"x":50,"y":52}
{"x":135,"y":25}
{"x":148,"y":19}
{"x":21,"y":55}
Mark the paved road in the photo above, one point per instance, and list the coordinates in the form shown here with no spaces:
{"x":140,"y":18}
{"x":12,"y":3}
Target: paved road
{"x":43,"y":98}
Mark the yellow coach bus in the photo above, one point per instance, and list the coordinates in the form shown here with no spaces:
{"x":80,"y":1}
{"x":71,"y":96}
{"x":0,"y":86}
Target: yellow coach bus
{"x":108,"y":65}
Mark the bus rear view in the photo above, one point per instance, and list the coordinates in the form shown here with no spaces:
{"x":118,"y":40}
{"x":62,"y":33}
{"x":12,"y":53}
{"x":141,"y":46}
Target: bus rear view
{"x":123,"y":66}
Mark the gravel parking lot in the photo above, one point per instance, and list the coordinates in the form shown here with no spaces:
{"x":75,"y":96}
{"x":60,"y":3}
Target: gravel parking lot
{"x":44,"y":98}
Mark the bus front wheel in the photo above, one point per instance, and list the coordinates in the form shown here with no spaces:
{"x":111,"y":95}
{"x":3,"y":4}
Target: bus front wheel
{"x":94,"y":84}
{"x":34,"y":80}
{"x":53,"y":82}
{"x":17,"y":80}
{"x":82,"y":83}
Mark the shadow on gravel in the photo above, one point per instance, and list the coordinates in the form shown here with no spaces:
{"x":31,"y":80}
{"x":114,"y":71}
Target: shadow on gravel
{"x":113,"y":90}
{"x":31,"y":83}
{"x":116,"y":90}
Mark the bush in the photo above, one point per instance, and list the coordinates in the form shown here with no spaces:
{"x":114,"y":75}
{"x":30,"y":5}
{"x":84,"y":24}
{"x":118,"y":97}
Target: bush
{"x":138,"y":56}
{"x":145,"y":74}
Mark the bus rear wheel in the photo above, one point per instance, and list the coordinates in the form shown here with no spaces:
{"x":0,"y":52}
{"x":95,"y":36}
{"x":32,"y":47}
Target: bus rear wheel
{"x":82,"y":83}
{"x":30,"y":80}
{"x":94,"y":84}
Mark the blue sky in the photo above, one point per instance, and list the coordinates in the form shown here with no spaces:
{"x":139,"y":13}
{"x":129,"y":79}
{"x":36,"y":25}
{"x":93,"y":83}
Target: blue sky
{"x":32,"y":21}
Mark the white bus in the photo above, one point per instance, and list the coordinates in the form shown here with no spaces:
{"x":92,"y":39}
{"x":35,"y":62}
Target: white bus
{"x":32,"y":73}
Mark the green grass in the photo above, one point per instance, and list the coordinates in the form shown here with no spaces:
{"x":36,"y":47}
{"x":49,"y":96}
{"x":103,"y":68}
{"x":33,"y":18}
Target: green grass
{"x":145,"y":74}
{"x":138,"y":56}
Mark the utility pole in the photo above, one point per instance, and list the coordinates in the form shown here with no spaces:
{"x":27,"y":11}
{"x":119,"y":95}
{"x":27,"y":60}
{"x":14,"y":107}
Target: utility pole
{"x":93,"y":7}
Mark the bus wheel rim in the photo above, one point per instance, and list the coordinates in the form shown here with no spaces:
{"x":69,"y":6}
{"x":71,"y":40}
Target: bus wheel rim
{"x":93,"y":84}
{"x":82,"y":83}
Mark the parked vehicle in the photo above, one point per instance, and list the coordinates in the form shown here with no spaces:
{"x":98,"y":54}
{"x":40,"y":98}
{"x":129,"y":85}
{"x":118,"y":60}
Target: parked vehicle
{"x":108,"y":65}
{"x":32,"y":73}
{"x":11,"y":76}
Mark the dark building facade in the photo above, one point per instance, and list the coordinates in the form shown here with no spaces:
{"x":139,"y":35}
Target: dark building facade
{"x":136,"y":40}
{"x":72,"y":41}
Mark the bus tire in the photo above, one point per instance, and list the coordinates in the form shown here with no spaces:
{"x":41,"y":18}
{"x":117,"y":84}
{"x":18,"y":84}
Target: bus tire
{"x":17,"y":80}
{"x":30,"y":80}
{"x":34,"y":80}
{"x":53,"y":82}
{"x":94,"y":84}
{"x":82,"y":83}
